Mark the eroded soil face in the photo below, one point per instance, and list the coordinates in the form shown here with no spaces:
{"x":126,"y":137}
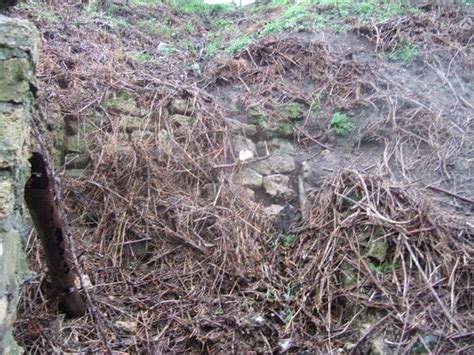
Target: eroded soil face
{"x":272,"y":178}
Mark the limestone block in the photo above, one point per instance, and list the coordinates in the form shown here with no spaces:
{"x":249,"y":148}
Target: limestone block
{"x":180,"y":107}
{"x":241,"y":143}
{"x":7,"y":198}
{"x":75,"y":144}
{"x":269,"y":130}
{"x":182,"y":120}
{"x":278,"y":186}
{"x":121,"y":102}
{"x":18,"y":53}
{"x":131,"y":124}
{"x":237,"y":127}
{"x":248,"y":177}
{"x":275,"y":164}
{"x":274,"y":210}
{"x":275,"y":145}
{"x":14,"y":134}
{"x":243,"y":192}
{"x":14,"y":79}
{"x":19,"y":38}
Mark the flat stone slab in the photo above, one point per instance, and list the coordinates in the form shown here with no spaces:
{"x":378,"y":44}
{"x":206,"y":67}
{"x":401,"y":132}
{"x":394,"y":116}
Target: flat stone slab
{"x":275,"y":164}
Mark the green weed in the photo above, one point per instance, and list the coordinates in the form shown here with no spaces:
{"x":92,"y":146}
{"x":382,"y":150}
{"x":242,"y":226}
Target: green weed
{"x":118,"y":22}
{"x":341,"y":125}
{"x":382,"y":268}
{"x":157,"y":27}
{"x":288,"y":316}
{"x":142,"y":57}
{"x":405,"y":53}
{"x":213,"y":47}
{"x":289,"y":19}
{"x":188,"y":27}
{"x":293,"y":111}
{"x":223,"y":26}
{"x":188,"y":46}
{"x":166,"y":49}
{"x":145,"y":2}
{"x":238,"y":44}
{"x":198,"y":7}
{"x":287,"y":240}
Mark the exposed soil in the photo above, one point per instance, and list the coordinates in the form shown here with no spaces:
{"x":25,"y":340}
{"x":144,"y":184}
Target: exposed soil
{"x":175,"y":271}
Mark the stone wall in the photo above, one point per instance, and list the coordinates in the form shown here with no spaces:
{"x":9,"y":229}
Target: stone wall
{"x":19,"y":43}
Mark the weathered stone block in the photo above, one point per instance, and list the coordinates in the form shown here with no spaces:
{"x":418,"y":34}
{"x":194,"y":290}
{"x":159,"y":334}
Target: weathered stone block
{"x":121,"y":102}
{"x":14,"y":134}
{"x":14,"y":79}
{"x":18,"y":39}
{"x":182,"y":120}
{"x":278,"y":186}
{"x":235,"y":126}
{"x":248,"y":178}
{"x":269,"y":130}
{"x":275,"y":164}
{"x":241,"y":143}
{"x":18,"y":54}
{"x":180,"y":107}
{"x":7,"y":198}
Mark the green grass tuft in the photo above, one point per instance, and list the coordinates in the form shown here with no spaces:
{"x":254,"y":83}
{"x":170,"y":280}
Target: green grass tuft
{"x":238,"y":44}
{"x":341,"y":125}
{"x":406,"y":53}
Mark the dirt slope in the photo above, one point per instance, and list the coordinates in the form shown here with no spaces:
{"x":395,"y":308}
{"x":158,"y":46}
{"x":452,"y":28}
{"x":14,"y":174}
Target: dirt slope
{"x":359,"y":123}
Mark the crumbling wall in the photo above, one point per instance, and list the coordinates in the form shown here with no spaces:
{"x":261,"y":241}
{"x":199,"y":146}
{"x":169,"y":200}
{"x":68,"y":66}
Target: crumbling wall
{"x":19,"y":43}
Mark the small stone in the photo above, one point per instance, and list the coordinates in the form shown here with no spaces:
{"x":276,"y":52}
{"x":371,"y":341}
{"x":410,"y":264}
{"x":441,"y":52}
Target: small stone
{"x":285,"y":344}
{"x":243,"y":192}
{"x":274,"y":210}
{"x":180,"y":107}
{"x":277,"y":186}
{"x":275,"y":145}
{"x":196,"y":69}
{"x":235,"y":126}
{"x":3,"y":309}
{"x":377,"y":248}
{"x":127,"y":326}
{"x":7,"y":198}
{"x":182,"y":120}
{"x":241,"y":143}
{"x":275,"y":164}
{"x":327,"y":155}
{"x":245,"y":155}
{"x":248,"y":177}
{"x":305,"y":169}
{"x":86,"y":281}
